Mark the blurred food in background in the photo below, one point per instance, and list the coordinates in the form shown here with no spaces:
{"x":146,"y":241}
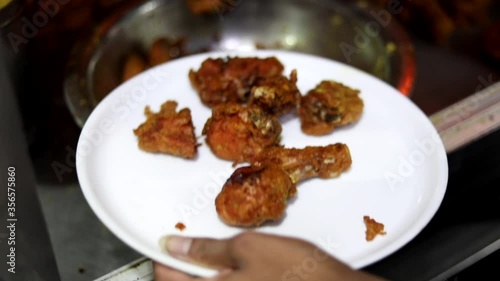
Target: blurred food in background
{"x":4,"y":3}
{"x":492,"y":40}
{"x":438,"y":21}
{"x":67,"y":20}
{"x":130,"y":41}
{"x":162,"y":50}
{"x":165,"y":49}
{"x":134,"y":64}
{"x":199,"y":7}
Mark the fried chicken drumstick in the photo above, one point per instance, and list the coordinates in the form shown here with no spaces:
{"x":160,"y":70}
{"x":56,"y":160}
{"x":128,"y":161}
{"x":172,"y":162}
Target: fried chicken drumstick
{"x":253,"y":195}
{"x":328,"y":106}
{"x":313,"y":161}
{"x":237,"y":133}
{"x":230,"y":80}
{"x":259,"y":193}
{"x":168,"y":131}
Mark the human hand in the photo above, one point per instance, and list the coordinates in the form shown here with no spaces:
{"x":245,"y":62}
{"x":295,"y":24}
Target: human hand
{"x":256,"y":256}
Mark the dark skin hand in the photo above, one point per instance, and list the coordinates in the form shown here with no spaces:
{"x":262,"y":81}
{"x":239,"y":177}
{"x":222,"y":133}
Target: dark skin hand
{"x":254,"y":256}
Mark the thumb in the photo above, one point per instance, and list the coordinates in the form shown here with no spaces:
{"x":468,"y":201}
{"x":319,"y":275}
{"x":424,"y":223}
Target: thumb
{"x":203,"y":251}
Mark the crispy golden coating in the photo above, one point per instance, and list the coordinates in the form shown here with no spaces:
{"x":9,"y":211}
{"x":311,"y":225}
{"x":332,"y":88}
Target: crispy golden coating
{"x":168,"y":132}
{"x":312,"y":161}
{"x":328,"y":106}
{"x":373,"y":228}
{"x":236,"y":132}
{"x":253,"y":195}
{"x":230,"y":80}
{"x":258,"y":193}
{"x":277,"y":95}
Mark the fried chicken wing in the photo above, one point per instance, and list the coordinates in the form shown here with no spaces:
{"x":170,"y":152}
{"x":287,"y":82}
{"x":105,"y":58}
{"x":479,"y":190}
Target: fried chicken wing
{"x":168,"y":131}
{"x":328,"y":106}
{"x":236,"y":132}
{"x":277,"y":95}
{"x":253,"y":195}
{"x":230,"y":80}
{"x":312,"y":161}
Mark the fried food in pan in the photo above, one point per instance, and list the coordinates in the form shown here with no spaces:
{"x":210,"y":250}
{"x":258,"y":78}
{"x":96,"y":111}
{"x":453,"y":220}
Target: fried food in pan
{"x":166,"y":49}
{"x":134,"y":64}
{"x":206,"y":7}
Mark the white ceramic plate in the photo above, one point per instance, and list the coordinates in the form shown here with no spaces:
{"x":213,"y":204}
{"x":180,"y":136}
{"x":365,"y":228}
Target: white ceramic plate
{"x":398,"y":176}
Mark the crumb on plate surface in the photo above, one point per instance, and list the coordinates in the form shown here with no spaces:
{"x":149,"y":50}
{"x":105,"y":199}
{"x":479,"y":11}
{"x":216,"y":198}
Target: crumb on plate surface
{"x":373,"y":228}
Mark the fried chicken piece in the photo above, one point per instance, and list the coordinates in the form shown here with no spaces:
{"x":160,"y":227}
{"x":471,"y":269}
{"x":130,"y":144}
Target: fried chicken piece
{"x":230,"y":80}
{"x":168,"y":131}
{"x":259,"y":193}
{"x":312,"y":161}
{"x":253,"y":195}
{"x":277,"y":95}
{"x":373,"y":228}
{"x":328,"y":106}
{"x":236,"y":132}
{"x":164,"y":49}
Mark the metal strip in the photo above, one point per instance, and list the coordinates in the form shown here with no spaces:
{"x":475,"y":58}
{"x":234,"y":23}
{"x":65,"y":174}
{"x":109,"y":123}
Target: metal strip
{"x":469,"y":119}
{"x":486,"y":251}
{"x":138,"y":270}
